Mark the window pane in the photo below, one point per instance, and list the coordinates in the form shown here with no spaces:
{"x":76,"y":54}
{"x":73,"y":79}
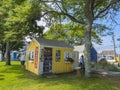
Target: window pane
{"x":31,"y":55}
{"x":57,"y":55}
{"x":67,"y":55}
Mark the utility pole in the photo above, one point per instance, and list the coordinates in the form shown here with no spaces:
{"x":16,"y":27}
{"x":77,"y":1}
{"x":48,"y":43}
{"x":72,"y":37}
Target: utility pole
{"x":119,"y":47}
{"x":113,"y":38}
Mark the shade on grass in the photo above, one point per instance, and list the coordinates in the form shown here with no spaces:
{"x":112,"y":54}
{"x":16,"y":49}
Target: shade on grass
{"x":14,"y":78}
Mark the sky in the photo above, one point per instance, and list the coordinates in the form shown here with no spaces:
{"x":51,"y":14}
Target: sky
{"x":42,"y":23}
{"x":107,"y":40}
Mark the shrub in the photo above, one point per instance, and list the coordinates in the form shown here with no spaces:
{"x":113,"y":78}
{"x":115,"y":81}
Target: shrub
{"x":107,"y":66}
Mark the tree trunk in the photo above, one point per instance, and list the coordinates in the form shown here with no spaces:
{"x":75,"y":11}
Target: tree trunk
{"x":87,"y":50}
{"x":89,"y":7}
{"x":7,"y":54}
{"x":3,"y":54}
{"x":3,"y":51}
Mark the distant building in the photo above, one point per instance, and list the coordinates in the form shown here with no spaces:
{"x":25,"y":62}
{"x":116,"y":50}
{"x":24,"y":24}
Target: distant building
{"x":108,"y":55}
{"x":14,"y":55}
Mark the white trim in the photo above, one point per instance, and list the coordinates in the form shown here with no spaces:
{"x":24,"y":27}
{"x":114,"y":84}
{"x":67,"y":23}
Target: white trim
{"x":40,"y":69}
{"x":40,"y":64}
{"x":36,"y":41}
{"x":55,"y":47}
{"x":31,"y":61}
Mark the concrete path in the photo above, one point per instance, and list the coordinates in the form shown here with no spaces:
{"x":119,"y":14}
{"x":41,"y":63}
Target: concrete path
{"x":104,"y":72}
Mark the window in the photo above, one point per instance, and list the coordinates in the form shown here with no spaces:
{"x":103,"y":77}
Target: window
{"x":31,"y":55}
{"x":67,"y":55}
{"x":57,"y":55}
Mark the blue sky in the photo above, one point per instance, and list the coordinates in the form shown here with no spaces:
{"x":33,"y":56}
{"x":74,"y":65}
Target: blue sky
{"x":107,"y":40}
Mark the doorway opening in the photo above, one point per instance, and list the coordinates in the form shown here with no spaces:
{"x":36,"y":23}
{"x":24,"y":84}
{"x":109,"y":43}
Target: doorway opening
{"x":47,"y":65}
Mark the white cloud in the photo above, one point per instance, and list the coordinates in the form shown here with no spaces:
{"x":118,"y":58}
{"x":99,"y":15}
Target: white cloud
{"x":42,"y":23}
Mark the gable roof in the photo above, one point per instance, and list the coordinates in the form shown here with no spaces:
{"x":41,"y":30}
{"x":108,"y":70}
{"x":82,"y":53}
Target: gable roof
{"x":79,"y":48}
{"x":52,"y":43}
{"x":108,"y":52}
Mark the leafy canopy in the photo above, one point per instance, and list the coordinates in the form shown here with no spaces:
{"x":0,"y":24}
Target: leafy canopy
{"x":73,"y":34}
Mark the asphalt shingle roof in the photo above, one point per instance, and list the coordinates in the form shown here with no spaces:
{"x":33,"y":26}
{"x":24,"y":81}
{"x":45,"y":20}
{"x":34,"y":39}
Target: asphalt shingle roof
{"x":53,"y":43}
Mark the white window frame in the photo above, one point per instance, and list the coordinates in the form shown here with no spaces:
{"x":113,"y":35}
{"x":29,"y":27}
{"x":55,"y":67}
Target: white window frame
{"x":32,"y":55}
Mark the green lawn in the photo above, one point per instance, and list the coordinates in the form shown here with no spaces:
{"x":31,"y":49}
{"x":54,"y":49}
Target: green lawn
{"x":14,"y":78}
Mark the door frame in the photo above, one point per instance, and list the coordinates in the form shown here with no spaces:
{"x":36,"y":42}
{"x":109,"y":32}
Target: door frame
{"x":47,"y":62}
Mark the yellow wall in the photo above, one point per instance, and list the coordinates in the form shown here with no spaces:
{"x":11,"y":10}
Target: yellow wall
{"x":30,"y":64}
{"x":117,"y":59}
{"x":61,"y":66}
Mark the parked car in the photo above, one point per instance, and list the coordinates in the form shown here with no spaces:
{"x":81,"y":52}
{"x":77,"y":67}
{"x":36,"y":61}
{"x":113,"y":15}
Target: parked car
{"x":102,"y":60}
{"x":111,"y":61}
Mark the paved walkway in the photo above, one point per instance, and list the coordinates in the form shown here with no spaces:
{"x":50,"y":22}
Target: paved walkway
{"x":104,"y":72}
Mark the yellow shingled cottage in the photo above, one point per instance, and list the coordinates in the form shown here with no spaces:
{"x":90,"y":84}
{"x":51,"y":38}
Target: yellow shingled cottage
{"x":49,"y":56}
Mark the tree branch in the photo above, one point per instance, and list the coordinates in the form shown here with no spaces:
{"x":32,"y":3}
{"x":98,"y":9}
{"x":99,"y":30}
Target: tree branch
{"x":103,"y":14}
{"x":98,"y":3}
{"x":113,"y":20}
{"x":66,"y":14}
{"x":59,"y":7}
{"x":89,"y":8}
{"x":106,"y":8}
{"x":73,"y":18}
{"x":62,"y":11}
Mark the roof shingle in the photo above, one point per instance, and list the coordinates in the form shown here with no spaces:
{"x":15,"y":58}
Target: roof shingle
{"x":53,"y":43}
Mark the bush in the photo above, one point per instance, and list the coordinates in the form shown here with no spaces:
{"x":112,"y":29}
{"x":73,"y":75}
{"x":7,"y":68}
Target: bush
{"x":107,"y":66}
{"x":93,"y":64}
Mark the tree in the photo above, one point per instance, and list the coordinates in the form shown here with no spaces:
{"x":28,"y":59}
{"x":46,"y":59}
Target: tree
{"x":18,"y":19}
{"x":11,"y":23}
{"x":83,"y":12}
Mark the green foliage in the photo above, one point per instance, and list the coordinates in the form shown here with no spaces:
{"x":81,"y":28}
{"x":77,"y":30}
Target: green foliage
{"x":35,"y":15}
{"x":107,"y":66}
{"x":72,"y":34}
{"x":14,"y":16}
{"x":17,"y":20}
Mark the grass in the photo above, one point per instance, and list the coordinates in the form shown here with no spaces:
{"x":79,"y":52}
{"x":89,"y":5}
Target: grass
{"x":14,"y":78}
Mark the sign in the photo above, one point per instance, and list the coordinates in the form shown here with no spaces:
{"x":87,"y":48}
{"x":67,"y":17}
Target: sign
{"x":36,"y":58}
